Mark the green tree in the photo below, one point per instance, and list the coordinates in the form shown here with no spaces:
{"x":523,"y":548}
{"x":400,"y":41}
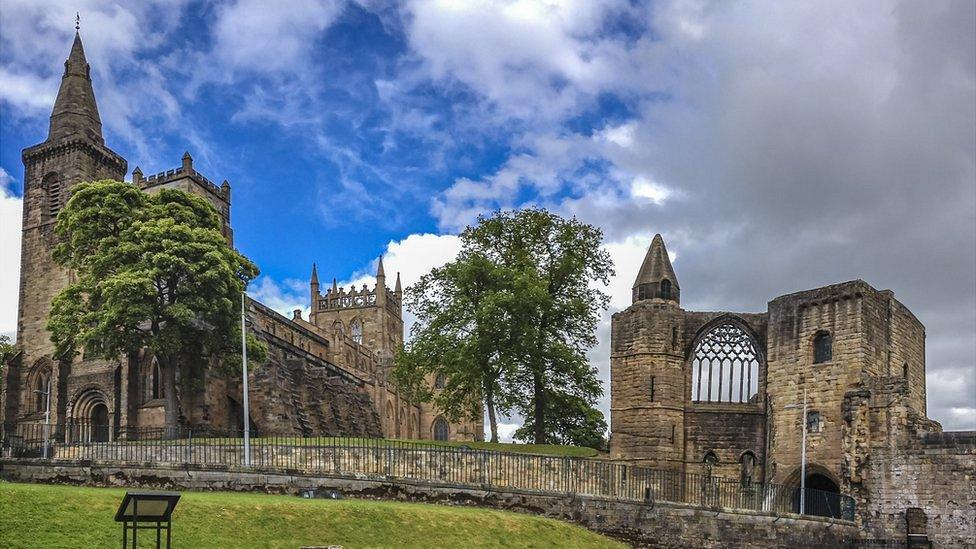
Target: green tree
{"x":563,"y":256}
{"x":569,"y":420}
{"x":152,"y":271}
{"x":7,"y":352}
{"x":457,"y":356}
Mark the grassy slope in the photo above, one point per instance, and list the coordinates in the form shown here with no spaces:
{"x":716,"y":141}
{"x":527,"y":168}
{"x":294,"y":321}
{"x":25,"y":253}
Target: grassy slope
{"x":66,"y":516}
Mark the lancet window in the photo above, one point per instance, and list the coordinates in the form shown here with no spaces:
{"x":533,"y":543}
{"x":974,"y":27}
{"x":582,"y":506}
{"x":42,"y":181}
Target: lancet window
{"x":725,"y":367}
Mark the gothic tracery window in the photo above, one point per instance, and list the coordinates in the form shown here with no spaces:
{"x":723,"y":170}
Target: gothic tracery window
{"x":441,"y":431}
{"x":440,"y":381}
{"x":725,"y":366}
{"x":41,"y":388}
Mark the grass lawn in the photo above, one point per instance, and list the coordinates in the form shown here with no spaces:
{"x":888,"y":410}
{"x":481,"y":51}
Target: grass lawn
{"x":36,"y":516}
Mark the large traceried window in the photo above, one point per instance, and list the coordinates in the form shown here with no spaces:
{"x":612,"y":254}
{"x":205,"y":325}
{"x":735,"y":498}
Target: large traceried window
{"x":725,"y":366}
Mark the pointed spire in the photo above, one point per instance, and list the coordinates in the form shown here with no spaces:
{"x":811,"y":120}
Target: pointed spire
{"x":315,"y":275}
{"x":656,"y":278}
{"x":335,"y":286}
{"x":399,"y":288}
{"x":75,"y":111}
{"x":379,"y":269}
{"x":187,"y":162}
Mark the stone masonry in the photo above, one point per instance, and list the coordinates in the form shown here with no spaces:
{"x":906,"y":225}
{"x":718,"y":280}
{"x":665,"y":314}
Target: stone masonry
{"x":722,"y":392}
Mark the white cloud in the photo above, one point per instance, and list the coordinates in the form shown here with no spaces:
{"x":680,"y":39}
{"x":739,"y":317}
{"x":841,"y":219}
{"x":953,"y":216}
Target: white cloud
{"x":11,"y":213}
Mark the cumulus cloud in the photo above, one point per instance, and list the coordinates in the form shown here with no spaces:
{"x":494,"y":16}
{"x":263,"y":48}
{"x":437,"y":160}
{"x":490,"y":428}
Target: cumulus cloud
{"x":11,"y":208}
{"x":778,"y":147}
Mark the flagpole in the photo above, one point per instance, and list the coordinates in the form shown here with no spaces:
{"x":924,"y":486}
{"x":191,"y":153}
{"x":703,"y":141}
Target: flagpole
{"x":247,"y":411}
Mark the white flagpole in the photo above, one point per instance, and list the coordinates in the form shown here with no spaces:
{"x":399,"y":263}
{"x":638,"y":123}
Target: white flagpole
{"x":803,"y":459}
{"x":247,"y":411}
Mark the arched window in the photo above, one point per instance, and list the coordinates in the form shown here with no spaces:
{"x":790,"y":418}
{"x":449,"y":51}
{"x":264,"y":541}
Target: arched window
{"x":710,"y":461}
{"x":822,"y":348}
{"x":904,"y":370}
{"x":665,"y":289}
{"x":441,"y":429}
{"x":356,"y":331}
{"x":725,"y":367}
{"x":748,"y":462}
{"x":440,"y":381}
{"x":155,"y":381}
{"x":42,"y":386}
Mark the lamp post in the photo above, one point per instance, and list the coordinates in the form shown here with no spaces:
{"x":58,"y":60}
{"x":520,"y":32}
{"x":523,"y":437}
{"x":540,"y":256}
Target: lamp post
{"x":47,"y":413}
{"x":247,"y":411}
{"x":803,"y":451}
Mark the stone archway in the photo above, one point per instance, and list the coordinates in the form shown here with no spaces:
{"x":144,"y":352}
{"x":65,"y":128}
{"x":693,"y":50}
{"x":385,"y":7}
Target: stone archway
{"x":822,"y":497}
{"x":91,"y":417}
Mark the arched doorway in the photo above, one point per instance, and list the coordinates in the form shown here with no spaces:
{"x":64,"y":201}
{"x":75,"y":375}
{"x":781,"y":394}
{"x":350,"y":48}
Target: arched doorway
{"x":99,"y":423}
{"x":822,"y":496}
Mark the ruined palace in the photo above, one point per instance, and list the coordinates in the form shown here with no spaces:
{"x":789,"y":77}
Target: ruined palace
{"x":723,"y":393}
{"x":325,"y":375}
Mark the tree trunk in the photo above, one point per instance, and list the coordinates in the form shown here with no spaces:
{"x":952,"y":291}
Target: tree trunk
{"x":492,"y":419}
{"x":171,"y":405}
{"x":539,"y":390}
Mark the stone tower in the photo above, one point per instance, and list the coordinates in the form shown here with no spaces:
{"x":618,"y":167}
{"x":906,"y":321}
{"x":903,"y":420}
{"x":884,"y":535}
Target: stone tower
{"x":647,"y":387}
{"x":73,"y":152}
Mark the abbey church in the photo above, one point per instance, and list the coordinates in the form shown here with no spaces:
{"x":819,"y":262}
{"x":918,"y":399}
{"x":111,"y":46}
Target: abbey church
{"x":835,"y":375}
{"x":325,"y":375}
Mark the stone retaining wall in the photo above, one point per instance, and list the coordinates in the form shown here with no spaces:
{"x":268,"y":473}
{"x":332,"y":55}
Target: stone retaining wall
{"x":640,"y":523}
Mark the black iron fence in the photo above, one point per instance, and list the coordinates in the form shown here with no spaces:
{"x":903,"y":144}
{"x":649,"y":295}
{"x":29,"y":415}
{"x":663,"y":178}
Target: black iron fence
{"x":428,"y":461}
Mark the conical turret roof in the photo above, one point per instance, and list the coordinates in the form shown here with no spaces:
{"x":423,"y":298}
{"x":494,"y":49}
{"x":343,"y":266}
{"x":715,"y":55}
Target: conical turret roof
{"x":75,"y":112}
{"x":657,"y":265}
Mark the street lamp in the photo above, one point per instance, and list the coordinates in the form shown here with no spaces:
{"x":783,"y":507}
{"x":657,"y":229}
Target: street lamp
{"x":803,"y":451}
{"x":247,"y":412}
{"x":47,"y":413}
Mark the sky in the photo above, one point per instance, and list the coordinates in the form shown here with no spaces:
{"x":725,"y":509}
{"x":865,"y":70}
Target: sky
{"x":777,"y":146}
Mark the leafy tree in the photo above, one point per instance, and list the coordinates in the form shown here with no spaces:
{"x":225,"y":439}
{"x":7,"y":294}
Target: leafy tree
{"x":510,"y":320}
{"x":464,"y":311}
{"x":152,"y":271}
{"x":7,"y":352}
{"x":569,"y":420}
{"x":564,"y":256}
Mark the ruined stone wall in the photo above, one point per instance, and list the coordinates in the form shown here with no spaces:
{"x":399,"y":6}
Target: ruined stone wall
{"x":852,"y":314}
{"x":897,"y":459}
{"x":643,"y":524}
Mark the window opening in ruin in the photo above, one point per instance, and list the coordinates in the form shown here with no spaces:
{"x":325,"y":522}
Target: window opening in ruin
{"x":674,"y":337}
{"x":356,"y":330}
{"x":904,"y":370}
{"x":652,"y":388}
{"x":40,"y":391}
{"x":155,"y":382}
{"x":813,"y":421}
{"x":725,"y":367}
{"x":440,"y":381}
{"x":644,"y":292}
{"x":440,"y":429}
{"x":748,"y":463}
{"x":665,"y":289}
{"x":822,"y":348}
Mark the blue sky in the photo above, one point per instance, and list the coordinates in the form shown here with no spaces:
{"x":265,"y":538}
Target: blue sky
{"x":776,"y":147}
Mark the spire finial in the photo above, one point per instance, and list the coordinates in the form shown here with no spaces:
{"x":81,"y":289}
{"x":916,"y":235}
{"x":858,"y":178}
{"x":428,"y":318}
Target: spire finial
{"x":77,"y":21}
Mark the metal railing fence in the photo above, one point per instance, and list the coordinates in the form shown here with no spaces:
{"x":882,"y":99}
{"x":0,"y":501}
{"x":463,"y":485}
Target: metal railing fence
{"x":431,"y":461}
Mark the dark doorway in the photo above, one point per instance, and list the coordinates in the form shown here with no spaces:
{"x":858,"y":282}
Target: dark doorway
{"x":822,"y":497}
{"x":99,"y":423}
